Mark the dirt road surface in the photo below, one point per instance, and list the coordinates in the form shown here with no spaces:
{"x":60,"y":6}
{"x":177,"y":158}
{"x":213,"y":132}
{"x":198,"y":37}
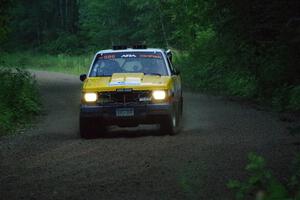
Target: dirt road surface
{"x":50,"y":161}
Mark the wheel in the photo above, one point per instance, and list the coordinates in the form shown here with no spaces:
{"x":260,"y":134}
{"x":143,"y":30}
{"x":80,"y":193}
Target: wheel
{"x":181,"y":109}
{"x":171,"y":123}
{"x":90,"y":128}
{"x":86,"y":129}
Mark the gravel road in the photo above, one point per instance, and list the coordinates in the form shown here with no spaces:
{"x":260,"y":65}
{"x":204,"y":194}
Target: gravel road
{"x":50,"y":161}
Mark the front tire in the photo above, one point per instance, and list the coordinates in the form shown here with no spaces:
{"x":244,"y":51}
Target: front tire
{"x":86,"y":129}
{"x":171,"y":123}
{"x":90,"y":128}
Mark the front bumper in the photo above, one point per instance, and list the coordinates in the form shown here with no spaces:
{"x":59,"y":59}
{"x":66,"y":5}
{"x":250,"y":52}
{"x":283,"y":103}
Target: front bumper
{"x":143,"y":114}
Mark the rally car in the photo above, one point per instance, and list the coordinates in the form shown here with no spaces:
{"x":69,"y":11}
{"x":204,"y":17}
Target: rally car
{"x":131,"y":86}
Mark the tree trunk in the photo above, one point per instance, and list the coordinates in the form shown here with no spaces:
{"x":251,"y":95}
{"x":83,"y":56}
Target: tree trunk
{"x":66,"y":16}
{"x":163,"y":26}
{"x":61,"y":13}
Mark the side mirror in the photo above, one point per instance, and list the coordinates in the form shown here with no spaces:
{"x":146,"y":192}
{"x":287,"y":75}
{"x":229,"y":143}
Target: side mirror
{"x":177,"y":73}
{"x":170,"y":55}
{"x":82,"y":77}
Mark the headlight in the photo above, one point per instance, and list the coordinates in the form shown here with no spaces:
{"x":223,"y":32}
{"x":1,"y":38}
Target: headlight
{"x":90,"y":97}
{"x":159,"y":94}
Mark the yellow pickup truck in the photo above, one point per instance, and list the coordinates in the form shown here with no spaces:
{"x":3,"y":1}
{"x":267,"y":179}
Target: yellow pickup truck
{"x":130,"y":86}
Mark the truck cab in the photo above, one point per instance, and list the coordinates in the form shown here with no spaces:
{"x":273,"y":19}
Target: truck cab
{"x":130,"y":86}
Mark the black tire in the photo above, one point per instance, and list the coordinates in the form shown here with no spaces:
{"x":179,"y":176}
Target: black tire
{"x":85,"y":129}
{"x":171,"y":123}
{"x":90,"y":128}
{"x":181,"y":109}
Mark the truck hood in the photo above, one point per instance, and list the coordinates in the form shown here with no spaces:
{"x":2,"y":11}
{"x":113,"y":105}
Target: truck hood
{"x":135,"y":81}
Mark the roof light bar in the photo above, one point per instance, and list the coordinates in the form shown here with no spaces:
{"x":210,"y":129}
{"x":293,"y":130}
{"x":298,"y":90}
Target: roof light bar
{"x":137,"y":46}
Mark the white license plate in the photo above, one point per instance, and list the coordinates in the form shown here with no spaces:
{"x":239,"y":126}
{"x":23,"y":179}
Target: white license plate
{"x":124,"y":112}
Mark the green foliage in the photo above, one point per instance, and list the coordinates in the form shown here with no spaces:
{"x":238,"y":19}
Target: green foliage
{"x":262,"y":185}
{"x":211,"y":76}
{"x":294,"y":101}
{"x":286,"y":98}
{"x":280,"y":98}
{"x":242,"y":85}
{"x":19,"y":99}
{"x":61,"y":62}
{"x":106,"y":23}
{"x":69,"y":44}
{"x":244,"y":48}
{"x":34,"y":23}
{"x":4,"y":18}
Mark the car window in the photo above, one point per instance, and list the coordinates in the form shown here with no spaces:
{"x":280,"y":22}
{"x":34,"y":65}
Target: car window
{"x":133,"y":66}
{"x":149,"y":63}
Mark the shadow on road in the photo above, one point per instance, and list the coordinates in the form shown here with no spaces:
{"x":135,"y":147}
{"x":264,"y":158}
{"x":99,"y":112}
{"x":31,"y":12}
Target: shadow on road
{"x":141,"y":131}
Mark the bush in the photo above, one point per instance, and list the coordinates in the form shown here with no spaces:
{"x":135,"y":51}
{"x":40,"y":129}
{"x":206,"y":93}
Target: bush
{"x":286,"y":98}
{"x":241,"y":85}
{"x":18,"y":99}
{"x":63,"y":44}
{"x":262,"y":185}
{"x":294,"y":101}
{"x":212,"y":76}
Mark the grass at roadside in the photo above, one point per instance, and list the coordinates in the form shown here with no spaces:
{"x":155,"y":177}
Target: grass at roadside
{"x":19,"y":99}
{"x":58,"y":63}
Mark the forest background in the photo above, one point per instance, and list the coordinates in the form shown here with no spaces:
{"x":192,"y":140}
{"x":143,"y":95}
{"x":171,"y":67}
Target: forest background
{"x":249,"y":49}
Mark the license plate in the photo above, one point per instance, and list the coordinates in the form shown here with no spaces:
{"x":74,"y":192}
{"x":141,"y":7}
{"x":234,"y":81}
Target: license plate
{"x":124,"y":112}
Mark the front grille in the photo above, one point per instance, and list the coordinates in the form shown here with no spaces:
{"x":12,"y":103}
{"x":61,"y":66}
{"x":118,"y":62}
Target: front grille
{"x":141,"y":97}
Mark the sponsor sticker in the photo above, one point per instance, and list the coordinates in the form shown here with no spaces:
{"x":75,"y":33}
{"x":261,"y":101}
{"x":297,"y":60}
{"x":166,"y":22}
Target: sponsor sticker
{"x":128,"y":56}
{"x":124,"y":83}
{"x":150,"y":56}
{"x":107,"y":56}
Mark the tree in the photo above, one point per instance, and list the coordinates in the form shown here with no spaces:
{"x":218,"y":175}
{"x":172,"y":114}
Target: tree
{"x":4,"y":16}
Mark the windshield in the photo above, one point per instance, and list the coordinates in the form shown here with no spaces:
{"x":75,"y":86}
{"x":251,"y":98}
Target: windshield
{"x":149,"y":63}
